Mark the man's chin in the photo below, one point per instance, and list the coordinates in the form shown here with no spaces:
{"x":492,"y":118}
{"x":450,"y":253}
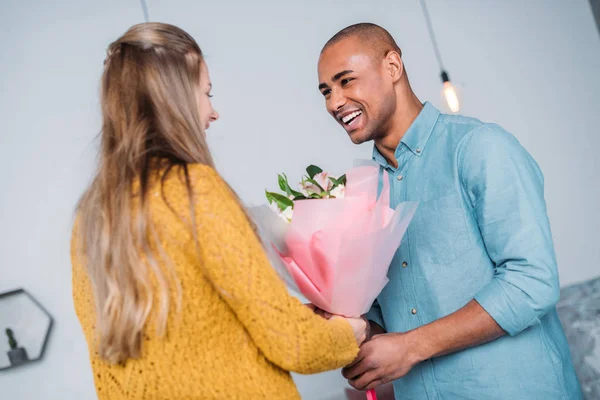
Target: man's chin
{"x":358,"y":137}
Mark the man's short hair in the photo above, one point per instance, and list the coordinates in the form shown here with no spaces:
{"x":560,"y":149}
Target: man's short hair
{"x":377,"y":38}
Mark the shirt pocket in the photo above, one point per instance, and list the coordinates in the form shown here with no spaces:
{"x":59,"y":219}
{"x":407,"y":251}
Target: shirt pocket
{"x":441,"y":230}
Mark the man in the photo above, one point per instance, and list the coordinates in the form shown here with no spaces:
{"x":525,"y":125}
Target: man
{"x":470,"y":307}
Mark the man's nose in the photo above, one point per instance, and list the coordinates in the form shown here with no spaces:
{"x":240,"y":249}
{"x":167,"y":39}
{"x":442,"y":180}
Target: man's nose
{"x":336,"y":101}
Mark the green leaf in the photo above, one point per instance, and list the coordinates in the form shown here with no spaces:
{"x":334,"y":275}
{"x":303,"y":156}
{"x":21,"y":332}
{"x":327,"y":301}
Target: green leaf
{"x":269,"y":197}
{"x":339,"y":181}
{"x":285,"y":186}
{"x":296,"y":194}
{"x":300,"y":197}
{"x":312,"y":170}
{"x":282,"y":201}
{"x":293,"y":192}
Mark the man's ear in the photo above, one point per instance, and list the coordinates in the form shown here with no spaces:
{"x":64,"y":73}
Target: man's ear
{"x":394,"y":65}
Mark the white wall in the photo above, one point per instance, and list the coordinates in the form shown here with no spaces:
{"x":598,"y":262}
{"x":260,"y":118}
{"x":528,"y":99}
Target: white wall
{"x":531,"y":67}
{"x":51,"y":59}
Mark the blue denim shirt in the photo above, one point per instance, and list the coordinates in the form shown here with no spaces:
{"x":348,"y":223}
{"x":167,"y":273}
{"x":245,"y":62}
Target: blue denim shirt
{"x":481,"y":232}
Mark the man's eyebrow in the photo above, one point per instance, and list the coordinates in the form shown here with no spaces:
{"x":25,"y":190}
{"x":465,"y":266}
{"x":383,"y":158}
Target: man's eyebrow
{"x":335,"y":78}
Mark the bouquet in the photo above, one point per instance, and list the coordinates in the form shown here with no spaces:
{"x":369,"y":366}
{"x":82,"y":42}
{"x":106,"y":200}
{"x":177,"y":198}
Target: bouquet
{"x":334,"y":236}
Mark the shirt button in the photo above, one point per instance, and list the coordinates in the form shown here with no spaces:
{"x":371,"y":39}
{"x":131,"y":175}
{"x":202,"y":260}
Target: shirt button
{"x":413,"y":311}
{"x":418,"y":151}
{"x":404,"y":264}
{"x":399,"y":177}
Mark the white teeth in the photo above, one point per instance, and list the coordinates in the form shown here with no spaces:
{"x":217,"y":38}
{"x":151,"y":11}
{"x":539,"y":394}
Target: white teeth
{"x":351,"y":116}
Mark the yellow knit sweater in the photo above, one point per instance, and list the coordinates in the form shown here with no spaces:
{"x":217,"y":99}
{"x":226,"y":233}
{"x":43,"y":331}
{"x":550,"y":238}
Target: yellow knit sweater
{"x":238,"y":333}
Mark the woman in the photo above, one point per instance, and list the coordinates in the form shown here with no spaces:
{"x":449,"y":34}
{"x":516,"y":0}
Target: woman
{"x":173,"y":290}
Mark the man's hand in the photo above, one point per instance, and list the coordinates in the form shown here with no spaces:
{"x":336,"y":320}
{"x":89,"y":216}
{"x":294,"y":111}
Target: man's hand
{"x":391,"y":356}
{"x":381,"y":360}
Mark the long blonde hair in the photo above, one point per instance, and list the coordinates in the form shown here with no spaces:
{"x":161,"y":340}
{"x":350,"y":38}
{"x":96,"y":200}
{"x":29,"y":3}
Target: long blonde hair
{"x":150,"y":113}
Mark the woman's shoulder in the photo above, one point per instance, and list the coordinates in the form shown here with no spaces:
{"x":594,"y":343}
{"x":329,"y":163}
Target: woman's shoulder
{"x":199,"y":178}
{"x":201,"y":173}
{"x":197,"y":183}
{"x":202,"y":170}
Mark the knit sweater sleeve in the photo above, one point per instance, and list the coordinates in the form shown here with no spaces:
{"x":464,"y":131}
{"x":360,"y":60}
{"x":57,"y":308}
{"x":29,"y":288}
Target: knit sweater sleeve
{"x":288,"y":333}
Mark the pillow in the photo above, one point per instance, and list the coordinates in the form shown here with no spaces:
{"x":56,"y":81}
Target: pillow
{"x":579,"y":312}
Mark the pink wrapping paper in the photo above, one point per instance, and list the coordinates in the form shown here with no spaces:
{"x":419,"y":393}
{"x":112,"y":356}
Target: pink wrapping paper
{"x":338,"y":250}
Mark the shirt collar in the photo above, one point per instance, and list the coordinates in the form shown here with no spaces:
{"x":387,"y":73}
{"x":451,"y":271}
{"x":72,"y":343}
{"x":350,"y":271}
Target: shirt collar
{"x":417,"y":135}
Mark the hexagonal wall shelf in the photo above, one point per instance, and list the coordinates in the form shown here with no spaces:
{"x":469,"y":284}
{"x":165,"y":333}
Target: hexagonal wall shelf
{"x":24,"y":329}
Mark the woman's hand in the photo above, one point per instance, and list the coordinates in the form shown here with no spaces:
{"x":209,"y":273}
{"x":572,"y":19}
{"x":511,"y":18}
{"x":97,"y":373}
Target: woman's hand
{"x":360,"y":326}
{"x":318,"y":311}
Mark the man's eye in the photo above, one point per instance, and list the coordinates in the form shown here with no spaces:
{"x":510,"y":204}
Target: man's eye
{"x":346,"y":81}
{"x":326,"y":92}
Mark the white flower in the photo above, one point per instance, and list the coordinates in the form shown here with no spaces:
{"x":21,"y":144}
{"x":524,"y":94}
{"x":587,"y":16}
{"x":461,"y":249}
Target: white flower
{"x":323,"y":180}
{"x":339,"y":192}
{"x":287,"y":214}
{"x":273,"y":206}
{"x":302,"y":190}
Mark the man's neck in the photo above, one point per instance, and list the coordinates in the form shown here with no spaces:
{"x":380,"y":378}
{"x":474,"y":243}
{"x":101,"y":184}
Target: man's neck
{"x":405,"y":114}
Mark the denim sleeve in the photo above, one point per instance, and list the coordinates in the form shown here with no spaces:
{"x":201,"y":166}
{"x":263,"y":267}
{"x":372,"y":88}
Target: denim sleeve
{"x":506,"y":190}
{"x":375,"y":315}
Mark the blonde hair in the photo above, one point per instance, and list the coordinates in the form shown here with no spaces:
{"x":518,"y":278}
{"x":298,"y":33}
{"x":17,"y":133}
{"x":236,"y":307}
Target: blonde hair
{"x":150,"y":113}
